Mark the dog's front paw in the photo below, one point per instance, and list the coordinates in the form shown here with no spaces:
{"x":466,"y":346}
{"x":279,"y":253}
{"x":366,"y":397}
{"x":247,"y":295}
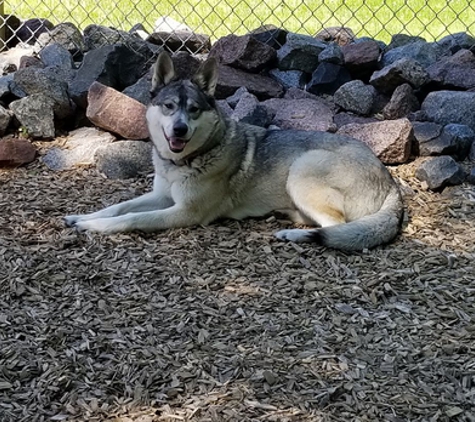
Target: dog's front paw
{"x":107,"y":225}
{"x":71,"y":220}
{"x":294,"y":235}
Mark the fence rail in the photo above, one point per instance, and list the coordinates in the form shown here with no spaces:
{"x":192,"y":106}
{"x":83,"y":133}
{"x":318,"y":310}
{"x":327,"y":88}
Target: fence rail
{"x":431,"y":19}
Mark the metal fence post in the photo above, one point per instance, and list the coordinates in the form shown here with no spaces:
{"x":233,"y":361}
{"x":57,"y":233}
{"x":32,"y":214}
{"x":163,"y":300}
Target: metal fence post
{"x":2,"y":26}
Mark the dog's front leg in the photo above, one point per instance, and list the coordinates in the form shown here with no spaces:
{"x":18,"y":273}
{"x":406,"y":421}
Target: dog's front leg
{"x":148,"y":221}
{"x":148,"y":202}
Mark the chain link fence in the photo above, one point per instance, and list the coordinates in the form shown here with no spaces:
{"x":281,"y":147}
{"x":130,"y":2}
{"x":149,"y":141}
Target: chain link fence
{"x":430,"y":19}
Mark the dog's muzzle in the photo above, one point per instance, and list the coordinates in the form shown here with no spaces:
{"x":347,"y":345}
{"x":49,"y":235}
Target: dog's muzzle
{"x":176,"y":143}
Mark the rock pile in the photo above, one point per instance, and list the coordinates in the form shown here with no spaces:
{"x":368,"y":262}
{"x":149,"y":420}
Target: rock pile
{"x":405,"y":99}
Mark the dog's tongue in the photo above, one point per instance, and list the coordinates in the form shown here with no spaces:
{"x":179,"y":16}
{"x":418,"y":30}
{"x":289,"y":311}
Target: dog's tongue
{"x":177,"y":144}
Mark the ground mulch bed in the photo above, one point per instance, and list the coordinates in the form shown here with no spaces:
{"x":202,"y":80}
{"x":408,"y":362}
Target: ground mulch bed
{"x":226,"y":323}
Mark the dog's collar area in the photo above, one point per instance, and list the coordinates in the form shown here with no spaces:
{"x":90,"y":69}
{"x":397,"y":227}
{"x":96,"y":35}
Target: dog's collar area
{"x":185,"y":161}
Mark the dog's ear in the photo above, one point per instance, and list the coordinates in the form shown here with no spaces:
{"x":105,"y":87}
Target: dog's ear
{"x":206,"y":76}
{"x":163,"y":71}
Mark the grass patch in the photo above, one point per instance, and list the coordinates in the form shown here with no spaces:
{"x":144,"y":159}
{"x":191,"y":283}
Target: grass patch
{"x":431,"y":19}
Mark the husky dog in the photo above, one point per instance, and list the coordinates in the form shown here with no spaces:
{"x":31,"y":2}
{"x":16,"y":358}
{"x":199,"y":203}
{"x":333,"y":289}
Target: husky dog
{"x":208,"y":166}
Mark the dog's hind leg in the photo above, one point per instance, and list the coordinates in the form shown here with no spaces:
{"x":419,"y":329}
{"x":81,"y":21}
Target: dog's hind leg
{"x":320,"y":203}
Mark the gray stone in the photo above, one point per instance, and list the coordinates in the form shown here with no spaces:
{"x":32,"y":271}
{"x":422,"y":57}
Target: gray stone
{"x":455,"y":72}
{"x":231,"y":79}
{"x":116,"y":66}
{"x":79,"y":149}
{"x":249,"y":110}
{"x":461,"y":138}
{"x":327,"y":78}
{"x":65,"y":34}
{"x":243,"y":52}
{"x":422,"y":52}
{"x":355,"y":96}
{"x":458,"y":41}
{"x":342,"y":119}
{"x":55,"y":55}
{"x":446,"y":107}
{"x":47,"y":82}
{"x":124,"y":159}
{"x":442,"y":143}
{"x":140,"y":90}
{"x":426,"y":131}
{"x":185,"y":64}
{"x":402,"y":102}
{"x":390,"y":140}
{"x":300,"y":52}
{"x":332,"y":54}
{"x":97,"y":36}
{"x":399,"y":40}
{"x":36,"y":114}
{"x":302,"y":114}
{"x":5,"y":119}
{"x":361,"y":58}
{"x":181,"y":41}
{"x":297,"y":93}
{"x":439,"y":172}
{"x":234,"y":99}
{"x":402,"y":71}
{"x":270,"y":35}
{"x":5,"y":82}
{"x":224,"y":107}
{"x":289,"y":78}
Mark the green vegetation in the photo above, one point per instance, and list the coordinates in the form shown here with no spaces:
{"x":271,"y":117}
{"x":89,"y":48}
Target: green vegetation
{"x":431,"y":19}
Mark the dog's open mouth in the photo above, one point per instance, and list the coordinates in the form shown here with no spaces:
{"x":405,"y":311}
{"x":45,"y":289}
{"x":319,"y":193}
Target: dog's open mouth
{"x":176,"y":144}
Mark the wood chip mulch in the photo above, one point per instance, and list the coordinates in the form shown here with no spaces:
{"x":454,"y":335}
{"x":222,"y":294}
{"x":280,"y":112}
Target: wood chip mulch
{"x":226,"y":323}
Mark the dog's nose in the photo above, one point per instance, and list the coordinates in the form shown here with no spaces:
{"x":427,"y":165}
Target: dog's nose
{"x":180,"y":130}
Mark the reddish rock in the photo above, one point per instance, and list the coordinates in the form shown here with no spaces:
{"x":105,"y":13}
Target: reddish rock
{"x":336,"y":34}
{"x":15,"y":152}
{"x":390,"y":140}
{"x":113,"y":111}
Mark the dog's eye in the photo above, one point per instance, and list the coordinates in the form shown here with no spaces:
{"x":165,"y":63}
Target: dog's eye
{"x":169,"y":106}
{"x":193,"y":109}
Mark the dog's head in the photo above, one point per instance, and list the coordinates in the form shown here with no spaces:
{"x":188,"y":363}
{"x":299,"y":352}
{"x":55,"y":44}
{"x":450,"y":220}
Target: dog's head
{"x":182,"y":114}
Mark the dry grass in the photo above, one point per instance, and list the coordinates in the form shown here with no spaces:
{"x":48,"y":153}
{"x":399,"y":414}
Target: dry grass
{"x":225,"y":323}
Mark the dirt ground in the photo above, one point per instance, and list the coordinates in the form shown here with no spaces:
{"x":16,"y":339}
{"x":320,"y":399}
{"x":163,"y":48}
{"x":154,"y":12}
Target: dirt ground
{"x":225,"y":323}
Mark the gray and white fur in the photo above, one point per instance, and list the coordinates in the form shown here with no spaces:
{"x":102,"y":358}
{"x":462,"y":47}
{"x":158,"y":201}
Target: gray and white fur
{"x":208,"y":166}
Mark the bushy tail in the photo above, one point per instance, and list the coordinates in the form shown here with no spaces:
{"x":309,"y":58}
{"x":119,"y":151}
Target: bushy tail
{"x":367,"y":232}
